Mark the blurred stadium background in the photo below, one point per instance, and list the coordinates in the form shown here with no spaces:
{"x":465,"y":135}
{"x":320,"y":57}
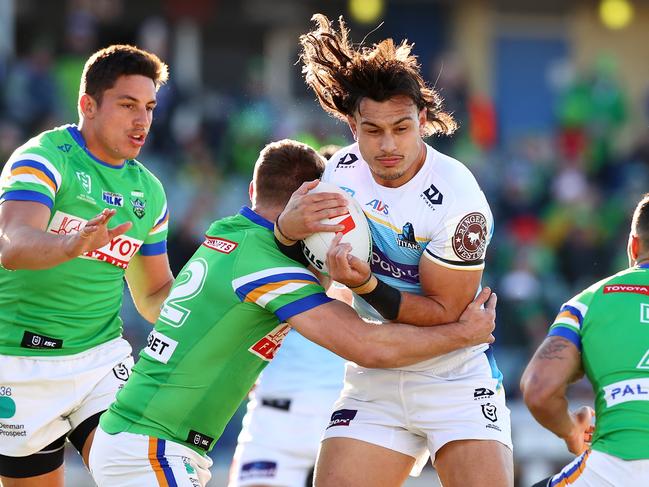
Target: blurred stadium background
{"x":552,"y":99}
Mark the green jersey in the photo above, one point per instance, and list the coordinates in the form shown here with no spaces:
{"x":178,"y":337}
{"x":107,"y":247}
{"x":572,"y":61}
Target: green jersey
{"x":75,"y":306}
{"x":609,"y":324}
{"x":220,"y":326}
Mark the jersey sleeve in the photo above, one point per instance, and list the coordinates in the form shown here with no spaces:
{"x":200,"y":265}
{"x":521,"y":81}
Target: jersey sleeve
{"x":156,"y":241}
{"x":31,"y":174}
{"x":570,"y":320}
{"x":284,"y":291}
{"x":462,"y":241}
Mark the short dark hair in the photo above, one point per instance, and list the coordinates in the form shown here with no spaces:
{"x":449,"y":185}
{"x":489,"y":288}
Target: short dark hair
{"x":327,"y":151}
{"x":281,"y":168}
{"x":341,"y":76}
{"x":104,"y":67}
{"x":640,"y":222}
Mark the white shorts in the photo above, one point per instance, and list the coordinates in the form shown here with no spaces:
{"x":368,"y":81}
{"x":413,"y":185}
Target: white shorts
{"x":598,"y":469}
{"x":53,"y":395}
{"x":278,"y":447}
{"x":132,"y":460}
{"x":415,"y":413}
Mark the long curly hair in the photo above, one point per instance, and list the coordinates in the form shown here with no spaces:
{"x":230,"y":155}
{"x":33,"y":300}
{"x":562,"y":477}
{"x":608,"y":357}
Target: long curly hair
{"x":341,"y":75}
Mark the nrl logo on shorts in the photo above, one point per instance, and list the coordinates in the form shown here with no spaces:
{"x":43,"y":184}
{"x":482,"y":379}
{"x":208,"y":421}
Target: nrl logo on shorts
{"x":139,"y":203}
{"x":489,"y":412}
{"x":121,"y":372}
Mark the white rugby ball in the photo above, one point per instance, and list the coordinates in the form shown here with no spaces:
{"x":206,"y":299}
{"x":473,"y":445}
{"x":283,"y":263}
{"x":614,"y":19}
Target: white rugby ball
{"x":357,"y":231}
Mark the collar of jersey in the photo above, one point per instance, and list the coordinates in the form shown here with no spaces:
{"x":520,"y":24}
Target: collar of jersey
{"x":255,"y":218}
{"x":78,"y":138}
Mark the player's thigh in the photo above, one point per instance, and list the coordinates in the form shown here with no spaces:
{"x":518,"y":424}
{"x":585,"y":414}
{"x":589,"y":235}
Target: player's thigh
{"x":347,"y":462}
{"x":475,"y":463}
{"x":464,"y":415}
{"x":132,"y":460}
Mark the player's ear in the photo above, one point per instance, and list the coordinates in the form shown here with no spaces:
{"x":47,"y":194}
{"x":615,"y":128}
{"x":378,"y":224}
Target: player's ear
{"x":422,"y":120}
{"x":87,"y":105}
{"x":633,"y":248}
{"x":251,"y":189}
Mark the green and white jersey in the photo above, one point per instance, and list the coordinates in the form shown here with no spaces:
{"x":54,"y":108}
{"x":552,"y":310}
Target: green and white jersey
{"x":220,"y":326}
{"x":609,"y":324}
{"x":75,"y":306}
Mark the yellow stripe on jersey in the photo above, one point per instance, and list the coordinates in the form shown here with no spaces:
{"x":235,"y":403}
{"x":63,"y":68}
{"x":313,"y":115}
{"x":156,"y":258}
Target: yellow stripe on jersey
{"x":40,"y":175}
{"x":256,"y":294}
{"x":391,"y":227}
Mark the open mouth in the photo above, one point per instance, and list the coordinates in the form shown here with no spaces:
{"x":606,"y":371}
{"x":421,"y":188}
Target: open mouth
{"x":137,"y":139}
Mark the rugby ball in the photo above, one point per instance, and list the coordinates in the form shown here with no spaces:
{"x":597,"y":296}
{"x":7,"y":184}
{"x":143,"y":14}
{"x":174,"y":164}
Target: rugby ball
{"x":356,"y":232}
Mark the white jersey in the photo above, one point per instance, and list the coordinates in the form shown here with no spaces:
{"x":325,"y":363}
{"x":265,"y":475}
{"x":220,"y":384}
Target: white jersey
{"x":440,"y":214}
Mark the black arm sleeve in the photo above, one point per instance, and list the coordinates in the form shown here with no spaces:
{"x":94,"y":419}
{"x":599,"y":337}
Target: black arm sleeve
{"x":293,"y":252}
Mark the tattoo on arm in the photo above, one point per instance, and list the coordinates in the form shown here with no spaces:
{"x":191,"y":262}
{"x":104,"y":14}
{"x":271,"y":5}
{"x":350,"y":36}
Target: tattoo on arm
{"x":552,"y":349}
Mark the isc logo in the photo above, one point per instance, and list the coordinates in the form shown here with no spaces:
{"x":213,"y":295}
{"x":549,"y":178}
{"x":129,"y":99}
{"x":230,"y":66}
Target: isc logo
{"x":379,"y":206}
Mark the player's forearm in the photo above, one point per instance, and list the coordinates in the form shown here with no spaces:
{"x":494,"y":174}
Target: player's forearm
{"x":427,"y":311}
{"x":398,"y":345}
{"x":404,"y":307}
{"x":149,"y":305}
{"x":33,"y":249}
{"x":552,"y":413}
{"x":545,"y":397}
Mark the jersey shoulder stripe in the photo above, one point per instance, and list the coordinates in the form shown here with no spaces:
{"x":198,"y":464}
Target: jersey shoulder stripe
{"x":30,"y":172}
{"x":272,"y":282}
{"x":162,"y":222}
{"x":301,"y":305}
{"x":39,"y":173}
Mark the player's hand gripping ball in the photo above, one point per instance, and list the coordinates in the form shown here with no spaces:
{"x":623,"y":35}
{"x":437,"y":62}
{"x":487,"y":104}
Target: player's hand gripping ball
{"x":356,"y":232}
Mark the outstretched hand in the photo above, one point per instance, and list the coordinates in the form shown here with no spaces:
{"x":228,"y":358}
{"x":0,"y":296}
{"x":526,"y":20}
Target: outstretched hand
{"x":303,"y":212}
{"x":94,"y":234}
{"x":480,"y":322}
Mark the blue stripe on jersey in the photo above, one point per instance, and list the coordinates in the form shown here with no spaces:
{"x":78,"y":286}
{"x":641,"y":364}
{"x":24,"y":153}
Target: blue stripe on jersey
{"x":301,"y":305}
{"x":160,"y":455}
{"x":244,"y":290}
{"x":27,"y":195}
{"x":255,"y":218}
{"x":574,"y":311}
{"x":78,"y":138}
{"x":162,"y":219}
{"x":36,"y":165}
{"x":568,"y":334}
{"x":495,"y":371}
{"x":154,"y":248}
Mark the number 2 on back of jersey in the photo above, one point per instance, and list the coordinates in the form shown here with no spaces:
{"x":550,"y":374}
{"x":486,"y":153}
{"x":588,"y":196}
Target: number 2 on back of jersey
{"x":189,"y":284}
